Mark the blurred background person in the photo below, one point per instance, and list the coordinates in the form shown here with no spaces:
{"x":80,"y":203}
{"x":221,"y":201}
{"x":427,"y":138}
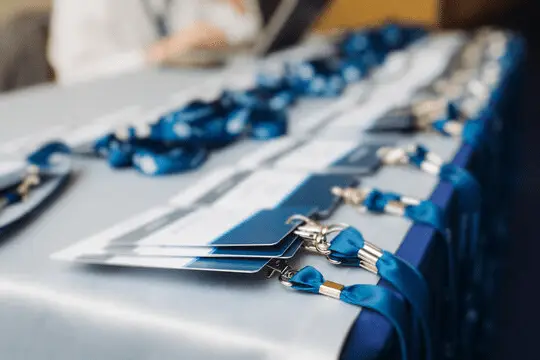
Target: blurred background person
{"x":23,"y":40}
{"x":99,"y":38}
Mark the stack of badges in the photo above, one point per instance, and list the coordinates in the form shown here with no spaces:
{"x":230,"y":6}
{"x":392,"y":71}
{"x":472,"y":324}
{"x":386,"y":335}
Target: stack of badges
{"x":207,"y":220}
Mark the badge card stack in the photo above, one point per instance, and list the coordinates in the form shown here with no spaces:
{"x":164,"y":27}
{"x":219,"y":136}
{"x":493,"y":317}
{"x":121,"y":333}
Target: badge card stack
{"x":234,"y":220}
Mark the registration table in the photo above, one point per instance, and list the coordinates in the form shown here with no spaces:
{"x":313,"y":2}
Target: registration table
{"x":59,"y":310}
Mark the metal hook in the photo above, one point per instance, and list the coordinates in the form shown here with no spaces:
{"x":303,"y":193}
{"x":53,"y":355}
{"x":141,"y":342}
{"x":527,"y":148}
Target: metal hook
{"x":315,"y":234}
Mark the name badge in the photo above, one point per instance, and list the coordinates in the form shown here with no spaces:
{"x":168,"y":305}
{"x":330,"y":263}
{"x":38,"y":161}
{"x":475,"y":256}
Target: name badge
{"x":264,"y":188}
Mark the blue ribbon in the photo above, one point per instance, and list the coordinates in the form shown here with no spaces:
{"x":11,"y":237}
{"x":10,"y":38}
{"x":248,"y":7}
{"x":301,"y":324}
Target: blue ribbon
{"x":42,"y":156}
{"x":182,"y":140}
{"x":375,"y":298}
{"x":473,"y":130}
{"x":426,"y":212}
{"x":403,"y":276}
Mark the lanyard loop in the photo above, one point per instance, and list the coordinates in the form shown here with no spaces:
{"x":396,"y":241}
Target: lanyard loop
{"x":349,"y":248}
{"x":376,"y":201}
{"x":376,"y":298}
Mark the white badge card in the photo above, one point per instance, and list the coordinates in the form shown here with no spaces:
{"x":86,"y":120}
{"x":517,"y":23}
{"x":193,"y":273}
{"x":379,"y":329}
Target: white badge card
{"x":348,"y":157}
{"x":264,"y":188}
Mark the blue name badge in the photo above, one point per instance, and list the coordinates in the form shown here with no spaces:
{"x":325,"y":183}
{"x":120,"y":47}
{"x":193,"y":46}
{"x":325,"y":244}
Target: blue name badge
{"x":398,"y":119}
{"x":266,"y":226}
{"x":264,"y":188}
{"x":206,"y":227}
{"x":232,"y":265}
{"x":276,"y":251}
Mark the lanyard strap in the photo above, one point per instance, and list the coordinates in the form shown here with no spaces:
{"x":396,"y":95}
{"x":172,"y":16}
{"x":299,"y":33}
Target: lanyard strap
{"x":471,"y":131}
{"x":350,"y":249}
{"x":183,"y":139}
{"x":372,"y":297}
{"x":379,"y":202}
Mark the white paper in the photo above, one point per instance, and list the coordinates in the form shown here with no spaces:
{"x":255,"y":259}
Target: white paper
{"x":95,"y":243}
{"x":316,"y":155}
{"x":263,"y":189}
{"x":199,"y":228}
{"x":212,"y":180}
{"x":265,"y":151}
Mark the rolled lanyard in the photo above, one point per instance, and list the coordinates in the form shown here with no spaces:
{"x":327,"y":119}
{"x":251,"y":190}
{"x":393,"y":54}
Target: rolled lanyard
{"x":182,"y":140}
{"x":352,"y":250}
{"x":376,"y":298}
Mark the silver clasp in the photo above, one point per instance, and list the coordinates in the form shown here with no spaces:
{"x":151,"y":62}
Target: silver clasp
{"x":369,"y":255}
{"x":355,"y":197}
{"x":281,"y":267}
{"x":393,"y":155}
{"x":351,"y":196}
{"x":315,"y":234}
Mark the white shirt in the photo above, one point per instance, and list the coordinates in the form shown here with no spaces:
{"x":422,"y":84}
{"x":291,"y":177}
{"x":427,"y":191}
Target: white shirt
{"x":97,"y":38}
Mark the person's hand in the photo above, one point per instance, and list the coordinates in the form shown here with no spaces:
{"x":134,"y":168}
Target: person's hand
{"x":198,"y":36}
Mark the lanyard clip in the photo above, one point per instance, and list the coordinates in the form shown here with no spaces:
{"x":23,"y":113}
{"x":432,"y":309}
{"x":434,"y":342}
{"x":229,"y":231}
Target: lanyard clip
{"x":31,"y":180}
{"x":369,"y":254}
{"x":315,"y":234}
{"x":281,"y":267}
{"x":356,"y":197}
{"x":412,"y":154}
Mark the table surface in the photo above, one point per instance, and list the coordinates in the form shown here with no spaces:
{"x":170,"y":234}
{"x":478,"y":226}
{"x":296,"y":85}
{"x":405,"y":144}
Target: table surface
{"x":57,"y":310}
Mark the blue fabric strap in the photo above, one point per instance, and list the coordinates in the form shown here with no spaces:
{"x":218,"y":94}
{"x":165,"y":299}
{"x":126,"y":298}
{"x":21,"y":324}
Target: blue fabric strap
{"x":42,"y":156}
{"x":426,"y":212}
{"x":183,"y":139}
{"x":375,"y":298}
{"x":473,"y":130}
{"x":345,"y":248}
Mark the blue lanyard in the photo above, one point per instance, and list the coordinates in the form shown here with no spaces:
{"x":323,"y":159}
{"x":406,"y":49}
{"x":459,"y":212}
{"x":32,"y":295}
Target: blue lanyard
{"x":422,"y":212}
{"x":351,"y":250}
{"x":376,"y":298}
{"x":182,"y":140}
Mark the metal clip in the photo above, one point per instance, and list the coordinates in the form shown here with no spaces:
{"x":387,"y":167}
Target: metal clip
{"x":281,"y":267}
{"x":29,"y":181}
{"x":369,"y":254}
{"x":315,"y":234}
{"x":355,"y":197}
{"x":427,"y":111}
{"x":400,"y":156}
{"x":351,"y":196}
{"x":392,"y":156}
